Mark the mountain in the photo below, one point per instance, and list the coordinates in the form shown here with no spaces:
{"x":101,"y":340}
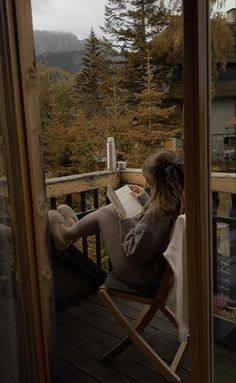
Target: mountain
{"x":60,"y":49}
{"x":55,"y":42}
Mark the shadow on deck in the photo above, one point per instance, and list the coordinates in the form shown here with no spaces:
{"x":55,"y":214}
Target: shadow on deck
{"x":86,"y":330}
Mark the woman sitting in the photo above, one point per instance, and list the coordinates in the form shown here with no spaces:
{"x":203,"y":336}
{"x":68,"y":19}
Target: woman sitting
{"x":135,"y":246}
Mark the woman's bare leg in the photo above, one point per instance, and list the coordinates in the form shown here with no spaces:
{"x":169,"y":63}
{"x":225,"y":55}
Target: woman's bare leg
{"x":106,"y":221}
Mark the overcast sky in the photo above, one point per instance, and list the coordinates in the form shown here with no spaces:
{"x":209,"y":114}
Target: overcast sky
{"x":76,"y":16}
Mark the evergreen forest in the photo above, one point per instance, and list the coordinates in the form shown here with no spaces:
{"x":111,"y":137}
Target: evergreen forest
{"x":129,"y":87}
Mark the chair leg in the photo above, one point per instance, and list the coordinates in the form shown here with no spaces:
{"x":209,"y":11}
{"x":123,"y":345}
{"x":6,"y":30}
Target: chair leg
{"x":178,"y":355}
{"x":140,"y":323}
{"x":117,"y":350}
{"x":126,"y":342}
{"x":171,"y":317}
{"x":161,"y":366}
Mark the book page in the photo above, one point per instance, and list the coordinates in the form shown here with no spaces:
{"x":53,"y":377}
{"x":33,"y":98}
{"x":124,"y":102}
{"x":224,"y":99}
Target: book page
{"x":129,"y":202}
{"x":115,"y":200}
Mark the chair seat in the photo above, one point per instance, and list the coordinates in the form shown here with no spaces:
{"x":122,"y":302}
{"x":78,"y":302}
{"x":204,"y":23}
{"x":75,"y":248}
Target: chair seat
{"x":113,"y":283}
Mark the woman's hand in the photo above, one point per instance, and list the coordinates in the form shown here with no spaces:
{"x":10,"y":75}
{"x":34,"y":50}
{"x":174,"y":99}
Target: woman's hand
{"x":136,"y":190}
{"x":119,"y":215}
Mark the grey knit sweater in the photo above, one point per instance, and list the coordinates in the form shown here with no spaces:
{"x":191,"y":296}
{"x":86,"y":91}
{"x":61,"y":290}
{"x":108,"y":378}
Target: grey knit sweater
{"x":144,"y":241}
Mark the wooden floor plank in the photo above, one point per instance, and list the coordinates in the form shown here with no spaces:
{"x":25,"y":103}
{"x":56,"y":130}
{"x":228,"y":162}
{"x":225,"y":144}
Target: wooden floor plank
{"x":223,"y":377}
{"x":130,"y":313}
{"x":95,"y":312}
{"x":71,"y":374}
{"x":223,"y":357}
{"x":110,"y":340}
{"x":225,"y":353}
{"x":86,"y":330}
{"x":111,"y":328}
{"x":108,"y":323}
{"x":94,"y":349}
{"x":135,"y":305}
{"x":110,"y":334}
{"x":90,"y":365}
{"x":159,"y":321}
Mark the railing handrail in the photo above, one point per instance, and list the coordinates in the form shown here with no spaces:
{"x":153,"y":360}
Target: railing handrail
{"x":76,"y":177}
{"x":221,"y":182}
{"x":224,"y":182}
{"x":79,"y":183}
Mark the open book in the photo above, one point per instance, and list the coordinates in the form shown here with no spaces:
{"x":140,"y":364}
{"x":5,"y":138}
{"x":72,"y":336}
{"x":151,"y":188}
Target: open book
{"x":124,"y":201}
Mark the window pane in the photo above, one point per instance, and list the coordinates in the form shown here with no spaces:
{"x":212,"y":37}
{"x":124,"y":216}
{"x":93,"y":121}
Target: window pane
{"x":9,"y":323}
{"x":223,"y":30}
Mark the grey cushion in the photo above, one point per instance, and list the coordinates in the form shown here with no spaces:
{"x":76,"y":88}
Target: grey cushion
{"x":113,"y":283}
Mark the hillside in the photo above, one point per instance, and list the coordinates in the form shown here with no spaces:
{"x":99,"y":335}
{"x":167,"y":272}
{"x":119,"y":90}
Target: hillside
{"x":60,"y":49}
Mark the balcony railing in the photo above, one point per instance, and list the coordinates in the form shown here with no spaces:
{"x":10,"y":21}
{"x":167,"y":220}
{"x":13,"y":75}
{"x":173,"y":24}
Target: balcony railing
{"x":70,"y":187}
{"x":86,"y":192}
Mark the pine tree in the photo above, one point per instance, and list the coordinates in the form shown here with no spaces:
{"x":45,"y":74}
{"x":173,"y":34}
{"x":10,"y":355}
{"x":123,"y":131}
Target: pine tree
{"x":130,"y":25}
{"x":89,"y":82}
{"x":167,"y":46}
{"x":221,"y":41}
{"x":48,"y":79}
{"x":115,"y":96}
{"x":152,"y":120}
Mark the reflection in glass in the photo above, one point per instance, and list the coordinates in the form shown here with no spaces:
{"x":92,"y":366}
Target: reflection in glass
{"x":224,"y":206}
{"x":9,"y":359}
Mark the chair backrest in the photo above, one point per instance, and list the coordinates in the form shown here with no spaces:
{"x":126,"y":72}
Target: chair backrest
{"x":176,"y":256}
{"x":166,"y":283}
{"x":165,"y":287}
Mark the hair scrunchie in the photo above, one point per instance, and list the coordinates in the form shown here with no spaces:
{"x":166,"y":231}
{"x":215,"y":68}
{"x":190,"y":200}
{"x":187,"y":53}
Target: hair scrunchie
{"x":179,"y":166}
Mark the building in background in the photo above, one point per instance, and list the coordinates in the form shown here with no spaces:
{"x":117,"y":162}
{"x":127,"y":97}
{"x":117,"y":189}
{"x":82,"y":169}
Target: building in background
{"x":224,"y":106}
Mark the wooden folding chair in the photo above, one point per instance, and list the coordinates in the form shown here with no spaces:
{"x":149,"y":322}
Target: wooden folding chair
{"x":154,"y":298}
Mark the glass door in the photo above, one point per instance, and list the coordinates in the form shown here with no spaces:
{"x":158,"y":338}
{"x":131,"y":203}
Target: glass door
{"x":26,"y":338}
{"x":210,"y":59}
{"x":11,"y":351}
{"x":223,"y":157}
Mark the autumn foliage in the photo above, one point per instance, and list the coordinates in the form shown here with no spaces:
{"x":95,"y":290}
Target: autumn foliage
{"x":126,"y":87}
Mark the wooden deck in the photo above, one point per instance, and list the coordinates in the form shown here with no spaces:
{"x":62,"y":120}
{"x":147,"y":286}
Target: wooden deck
{"x":85,"y":330}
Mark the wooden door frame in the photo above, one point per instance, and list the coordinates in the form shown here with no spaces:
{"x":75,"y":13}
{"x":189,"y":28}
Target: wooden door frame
{"x":198,"y":193}
{"x":30,"y":227}
{"x":27,"y":192}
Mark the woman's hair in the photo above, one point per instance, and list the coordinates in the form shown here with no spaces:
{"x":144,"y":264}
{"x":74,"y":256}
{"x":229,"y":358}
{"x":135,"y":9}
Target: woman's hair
{"x":165,"y":174}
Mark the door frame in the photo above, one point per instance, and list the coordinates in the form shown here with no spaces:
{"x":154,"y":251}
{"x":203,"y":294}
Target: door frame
{"x":27,"y":189}
{"x":27,"y":193}
{"x":198,"y":190}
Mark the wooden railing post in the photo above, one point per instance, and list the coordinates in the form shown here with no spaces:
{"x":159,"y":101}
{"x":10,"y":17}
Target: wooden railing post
{"x":232,"y":262}
{"x":53,"y":203}
{"x":69,"y":199}
{"x":98,"y":237}
{"x":215,"y":202}
{"x":83,"y":209}
{"x":215,"y":205}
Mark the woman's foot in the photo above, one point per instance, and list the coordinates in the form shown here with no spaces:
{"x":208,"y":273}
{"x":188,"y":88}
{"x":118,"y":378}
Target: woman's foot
{"x":68,"y":214}
{"x":57,"y":227}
